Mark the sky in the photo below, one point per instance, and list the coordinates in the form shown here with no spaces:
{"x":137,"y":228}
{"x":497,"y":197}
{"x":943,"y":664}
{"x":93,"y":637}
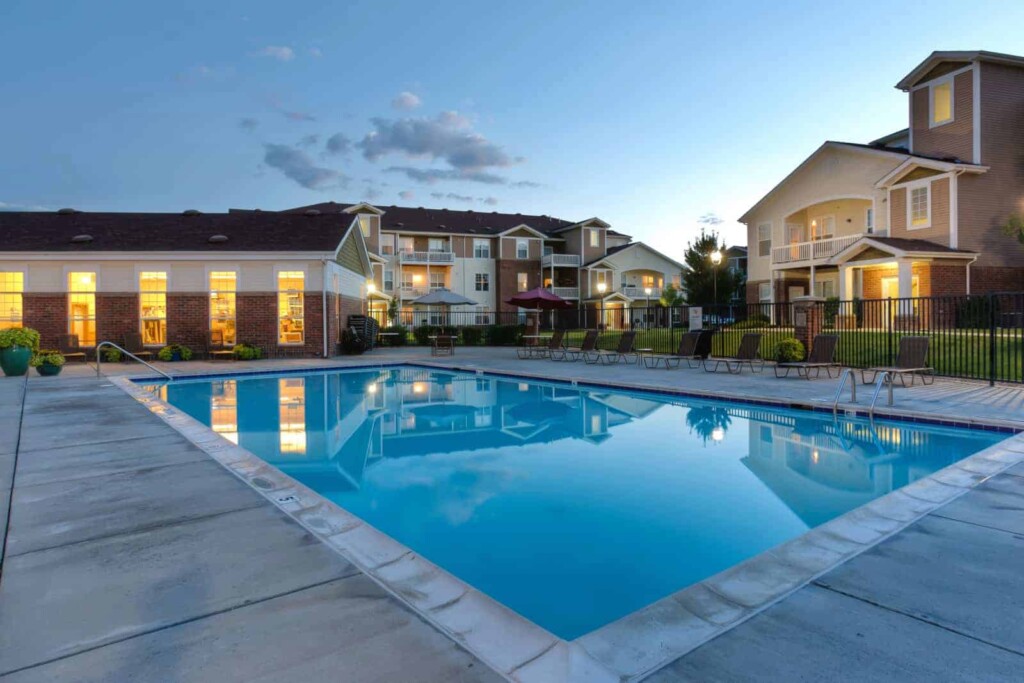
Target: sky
{"x":650,"y":115}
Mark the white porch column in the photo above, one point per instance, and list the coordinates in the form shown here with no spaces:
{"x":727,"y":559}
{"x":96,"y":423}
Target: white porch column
{"x":845,"y":283}
{"x":905,"y":283}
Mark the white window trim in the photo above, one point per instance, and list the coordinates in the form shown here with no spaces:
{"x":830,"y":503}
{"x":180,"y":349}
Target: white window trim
{"x":278,"y":269}
{"x":88,"y":268}
{"x":524,"y":241}
{"x":819,"y":220}
{"x":486,"y":243}
{"x":760,"y":297}
{"x":24,"y":276}
{"x":594,"y":236}
{"x":869,"y":219}
{"x":486,"y":282}
{"x":527,"y":284}
{"x":218,"y":268}
{"x":769,"y":240}
{"x":910,"y":187}
{"x":949,"y":78}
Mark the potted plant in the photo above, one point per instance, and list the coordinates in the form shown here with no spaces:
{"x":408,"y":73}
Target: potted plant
{"x":112,"y":355}
{"x":48,"y":362}
{"x":16,"y":347}
{"x":174,"y":353}
{"x":247,"y":352}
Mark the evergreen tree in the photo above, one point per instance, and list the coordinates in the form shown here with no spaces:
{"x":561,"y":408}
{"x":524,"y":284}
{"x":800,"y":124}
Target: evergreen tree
{"x":700,"y":274}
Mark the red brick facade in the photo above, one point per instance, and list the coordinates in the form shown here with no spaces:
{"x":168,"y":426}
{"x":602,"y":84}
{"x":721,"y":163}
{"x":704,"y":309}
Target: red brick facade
{"x":47,"y":314}
{"x":507,"y":285}
{"x":188,"y":319}
{"x":116,"y":315}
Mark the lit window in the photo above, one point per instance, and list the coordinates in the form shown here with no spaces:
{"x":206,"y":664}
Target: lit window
{"x":823,"y":227}
{"x":522,"y":249}
{"x":764,"y":239}
{"x":436,"y":245}
{"x":920,"y":209}
{"x":521,"y":281}
{"x":595,"y":238}
{"x":153,"y":308}
{"x":406,"y":245}
{"x":481,"y":248}
{"x":366,"y":224}
{"x":436,"y":281}
{"x":12,"y":287}
{"x":82,"y":307}
{"x":483,"y":282}
{"x":223,"y":286}
{"x":387,"y":244}
{"x":292,"y":414}
{"x":942,"y":102}
{"x":290,"y":315}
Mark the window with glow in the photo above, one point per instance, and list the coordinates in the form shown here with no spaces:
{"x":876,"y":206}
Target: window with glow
{"x":366,"y":224}
{"x":481,"y":248}
{"x":224,"y":410}
{"x":292,"y":415}
{"x":387,"y":244}
{"x":521,"y":281}
{"x":436,"y":280}
{"x":406,"y":244}
{"x":764,"y":239}
{"x":291,"y":327}
{"x":522,"y":249}
{"x":920,"y":213}
{"x":823,"y":227}
{"x":436,"y":245}
{"x":483,"y":282}
{"x":82,"y":307}
{"x":223,"y":287}
{"x":595,"y":238}
{"x":942,"y":102}
{"x":153,"y":308}
{"x":12,"y":287}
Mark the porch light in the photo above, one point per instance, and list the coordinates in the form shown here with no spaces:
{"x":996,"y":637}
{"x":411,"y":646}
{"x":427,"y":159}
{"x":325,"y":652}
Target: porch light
{"x":601,"y":287}
{"x":370,"y":288}
{"x":647,"y":291}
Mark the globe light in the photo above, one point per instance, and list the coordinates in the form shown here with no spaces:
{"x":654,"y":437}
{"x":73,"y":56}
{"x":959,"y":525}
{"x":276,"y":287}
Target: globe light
{"x":716,"y":257}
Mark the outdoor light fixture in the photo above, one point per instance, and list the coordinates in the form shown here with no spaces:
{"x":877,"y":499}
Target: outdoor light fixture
{"x":601,"y":287}
{"x":716,"y":258}
{"x":370,"y":288}
{"x":717,"y":434}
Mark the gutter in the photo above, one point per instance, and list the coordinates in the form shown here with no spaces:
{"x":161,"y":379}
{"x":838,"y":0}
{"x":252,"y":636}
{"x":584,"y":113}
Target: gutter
{"x":969,"y":264}
{"x":323,"y":292}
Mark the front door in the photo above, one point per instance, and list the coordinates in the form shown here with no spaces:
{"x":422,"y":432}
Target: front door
{"x":891,"y":290}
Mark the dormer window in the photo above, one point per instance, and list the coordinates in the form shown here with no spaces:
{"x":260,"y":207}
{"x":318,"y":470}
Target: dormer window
{"x":366,"y":223}
{"x":595,"y":238}
{"x":940,"y":99}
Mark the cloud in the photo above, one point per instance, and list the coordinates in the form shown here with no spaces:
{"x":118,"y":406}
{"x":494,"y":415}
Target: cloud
{"x":524,"y":183}
{"x":451,"y":195}
{"x":248,"y":124}
{"x":282,"y":53}
{"x":407,"y":194}
{"x":19,"y":206}
{"x":315,"y":52}
{"x":309,"y":140}
{"x":449,"y":137}
{"x":339,"y":143}
{"x":430,"y":176}
{"x":298,"y":115}
{"x":371,"y":193}
{"x":406,"y":101}
{"x":298,"y":166}
{"x":490,"y":201}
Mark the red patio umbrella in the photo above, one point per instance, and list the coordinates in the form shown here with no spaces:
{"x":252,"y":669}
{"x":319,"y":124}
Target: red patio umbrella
{"x":540,"y":298}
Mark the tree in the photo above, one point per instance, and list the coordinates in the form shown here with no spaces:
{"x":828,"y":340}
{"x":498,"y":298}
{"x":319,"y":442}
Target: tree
{"x":393,"y":311}
{"x":1014,"y":227}
{"x":671,"y":297}
{"x":700,"y":274}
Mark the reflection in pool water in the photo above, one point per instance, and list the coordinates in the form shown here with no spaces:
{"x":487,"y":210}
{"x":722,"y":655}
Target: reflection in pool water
{"x":572,"y":507}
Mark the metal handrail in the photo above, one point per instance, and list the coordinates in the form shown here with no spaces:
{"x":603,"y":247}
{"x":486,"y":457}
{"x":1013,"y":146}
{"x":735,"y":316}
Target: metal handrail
{"x":847,"y":374}
{"x":99,"y":358}
{"x":884,"y":378}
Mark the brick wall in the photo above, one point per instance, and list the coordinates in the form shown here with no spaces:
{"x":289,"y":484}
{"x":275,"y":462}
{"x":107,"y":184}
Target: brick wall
{"x":188,"y":319}
{"x":507,"y":284}
{"x":47,"y":314}
{"x":116,"y":315}
{"x":987,"y":279}
{"x":256,"y":321}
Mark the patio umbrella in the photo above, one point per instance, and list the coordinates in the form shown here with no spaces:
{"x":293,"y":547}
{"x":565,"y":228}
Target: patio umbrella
{"x":540,"y":298}
{"x":443,"y":297}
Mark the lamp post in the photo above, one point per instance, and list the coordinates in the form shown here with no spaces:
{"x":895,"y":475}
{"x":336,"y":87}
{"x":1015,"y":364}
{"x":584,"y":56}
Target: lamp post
{"x":716,"y":259}
{"x":647,"y":312}
{"x":370,"y":289}
{"x":601,"y":287}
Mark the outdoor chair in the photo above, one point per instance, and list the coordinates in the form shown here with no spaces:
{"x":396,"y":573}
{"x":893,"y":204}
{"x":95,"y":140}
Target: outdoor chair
{"x":215,"y":347}
{"x":69,"y":347}
{"x":912,"y":360}
{"x":444,"y":345}
{"x":688,"y":351}
{"x":587,"y":347}
{"x":822,"y":357}
{"x":623,"y":353}
{"x":133,"y":345}
{"x":539,"y":350}
{"x":749,"y":353}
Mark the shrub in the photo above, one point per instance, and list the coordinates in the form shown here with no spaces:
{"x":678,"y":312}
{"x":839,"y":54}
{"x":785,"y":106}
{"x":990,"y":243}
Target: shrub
{"x":19,"y":336}
{"x":788,"y":350}
{"x":472,"y":336}
{"x":247,"y":352}
{"x":974,"y":312}
{"x":831,"y":310}
{"x":503,"y":335}
{"x":753,"y":322}
{"x":173,"y":352}
{"x":47,"y":357}
{"x":112,"y":355}
{"x":401,"y":337}
{"x":423,"y":333}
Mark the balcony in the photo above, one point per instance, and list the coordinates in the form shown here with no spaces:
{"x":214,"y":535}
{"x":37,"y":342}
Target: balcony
{"x":566,"y":292}
{"x":561,"y":260}
{"x":802,"y":253}
{"x":634,"y":292}
{"x":438,"y":258}
{"x":412,"y":292}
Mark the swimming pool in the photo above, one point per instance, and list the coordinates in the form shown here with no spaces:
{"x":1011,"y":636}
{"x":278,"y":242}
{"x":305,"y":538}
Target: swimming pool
{"x":572,"y":506}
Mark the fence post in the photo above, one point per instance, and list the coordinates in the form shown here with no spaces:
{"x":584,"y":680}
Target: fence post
{"x":991,"y":340}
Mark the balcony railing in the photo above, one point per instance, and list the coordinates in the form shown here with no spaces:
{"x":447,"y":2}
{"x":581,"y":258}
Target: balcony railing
{"x":557,"y":260}
{"x":429,"y":257}
{"x":566,"y":292}
{"x":818,"y":250}
{"x":412,"y":292}
{"x":634,"y":292}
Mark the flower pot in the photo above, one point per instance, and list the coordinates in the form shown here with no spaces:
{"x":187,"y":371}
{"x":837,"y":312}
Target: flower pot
{"x":176,"y":356}
{"x":14,"y":360}
{"x":48,"y":370}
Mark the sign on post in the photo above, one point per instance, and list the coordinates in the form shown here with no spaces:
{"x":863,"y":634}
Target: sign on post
{"x":696,"y":318}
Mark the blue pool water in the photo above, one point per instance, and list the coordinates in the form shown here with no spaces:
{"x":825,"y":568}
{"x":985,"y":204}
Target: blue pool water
{"x":572,"y":507}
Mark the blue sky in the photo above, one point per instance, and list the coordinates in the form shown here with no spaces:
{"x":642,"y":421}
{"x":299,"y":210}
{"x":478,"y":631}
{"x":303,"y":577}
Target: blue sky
{"x":648,"y":114}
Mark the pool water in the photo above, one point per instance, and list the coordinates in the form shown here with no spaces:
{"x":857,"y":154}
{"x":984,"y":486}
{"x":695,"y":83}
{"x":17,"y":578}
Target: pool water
{"x":573,"y":507}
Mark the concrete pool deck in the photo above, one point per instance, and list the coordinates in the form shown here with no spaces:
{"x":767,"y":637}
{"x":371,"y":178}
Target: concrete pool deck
{"x":131,"y":576}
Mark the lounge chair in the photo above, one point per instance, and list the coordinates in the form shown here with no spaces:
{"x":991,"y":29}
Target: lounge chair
{"x":690,"y":350}
{"x":542,"y":350}
{"x":749,"y":353}
{"x":133,"y":345}
{"x":69,"y":347}
{"x":444,"y":345}
{"x":215,"y":347}
{"x":912,"y":360}
{"x":822,"y":357}
{"x":623,"y":353}
{"x":587,"y":347}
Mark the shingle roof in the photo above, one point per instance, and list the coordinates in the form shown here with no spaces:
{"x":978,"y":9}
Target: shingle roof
{"x":245,"y":231}
{"x":420,"y":219}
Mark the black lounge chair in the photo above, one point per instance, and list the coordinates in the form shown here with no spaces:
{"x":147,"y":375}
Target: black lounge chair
{"x":623,"y":353}
{"x":588,"y":346}
{"x":542,"y":350}
{"x":690,"y":349}
{"x":69,"y":347}
{"x":133,"y":345}
{"x":822,"y":357}
{"x":912,"y":360}
{"x":749,"y":353}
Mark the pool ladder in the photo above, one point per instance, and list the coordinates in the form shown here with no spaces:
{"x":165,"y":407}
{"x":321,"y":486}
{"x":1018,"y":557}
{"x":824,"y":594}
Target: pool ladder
{"x":99,"y":359}
{"x":883,"y":379}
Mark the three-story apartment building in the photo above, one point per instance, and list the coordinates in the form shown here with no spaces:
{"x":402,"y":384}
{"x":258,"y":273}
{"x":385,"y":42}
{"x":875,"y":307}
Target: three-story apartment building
{"x":488,"y":257}
{"x":916,"y":213}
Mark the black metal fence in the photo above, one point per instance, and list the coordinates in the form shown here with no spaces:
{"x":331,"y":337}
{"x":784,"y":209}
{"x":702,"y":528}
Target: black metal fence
{"x":972,"y":337}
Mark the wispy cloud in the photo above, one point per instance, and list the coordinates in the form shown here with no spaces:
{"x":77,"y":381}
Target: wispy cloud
{"x":298,"y":166}
{"x":454,"y":196}
{"x":282,"y":53}
{"x":297,"y":115}
{"x":338,"y":144}
{"x":431,"y":176}
{"x":407,"y":194}
{"x":310,"y":140}
{"x":21,"y":206}
{"x":406,"y":101}
{"x":248,"y":124}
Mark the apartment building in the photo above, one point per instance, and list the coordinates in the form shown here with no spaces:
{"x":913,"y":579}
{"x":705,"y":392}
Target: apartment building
{"x":918,"y":212}
{"x":490,"y":256}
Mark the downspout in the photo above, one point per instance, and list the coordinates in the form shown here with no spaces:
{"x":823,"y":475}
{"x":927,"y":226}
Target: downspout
{"x":323,"y":292}
{"x":969,"y":264}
